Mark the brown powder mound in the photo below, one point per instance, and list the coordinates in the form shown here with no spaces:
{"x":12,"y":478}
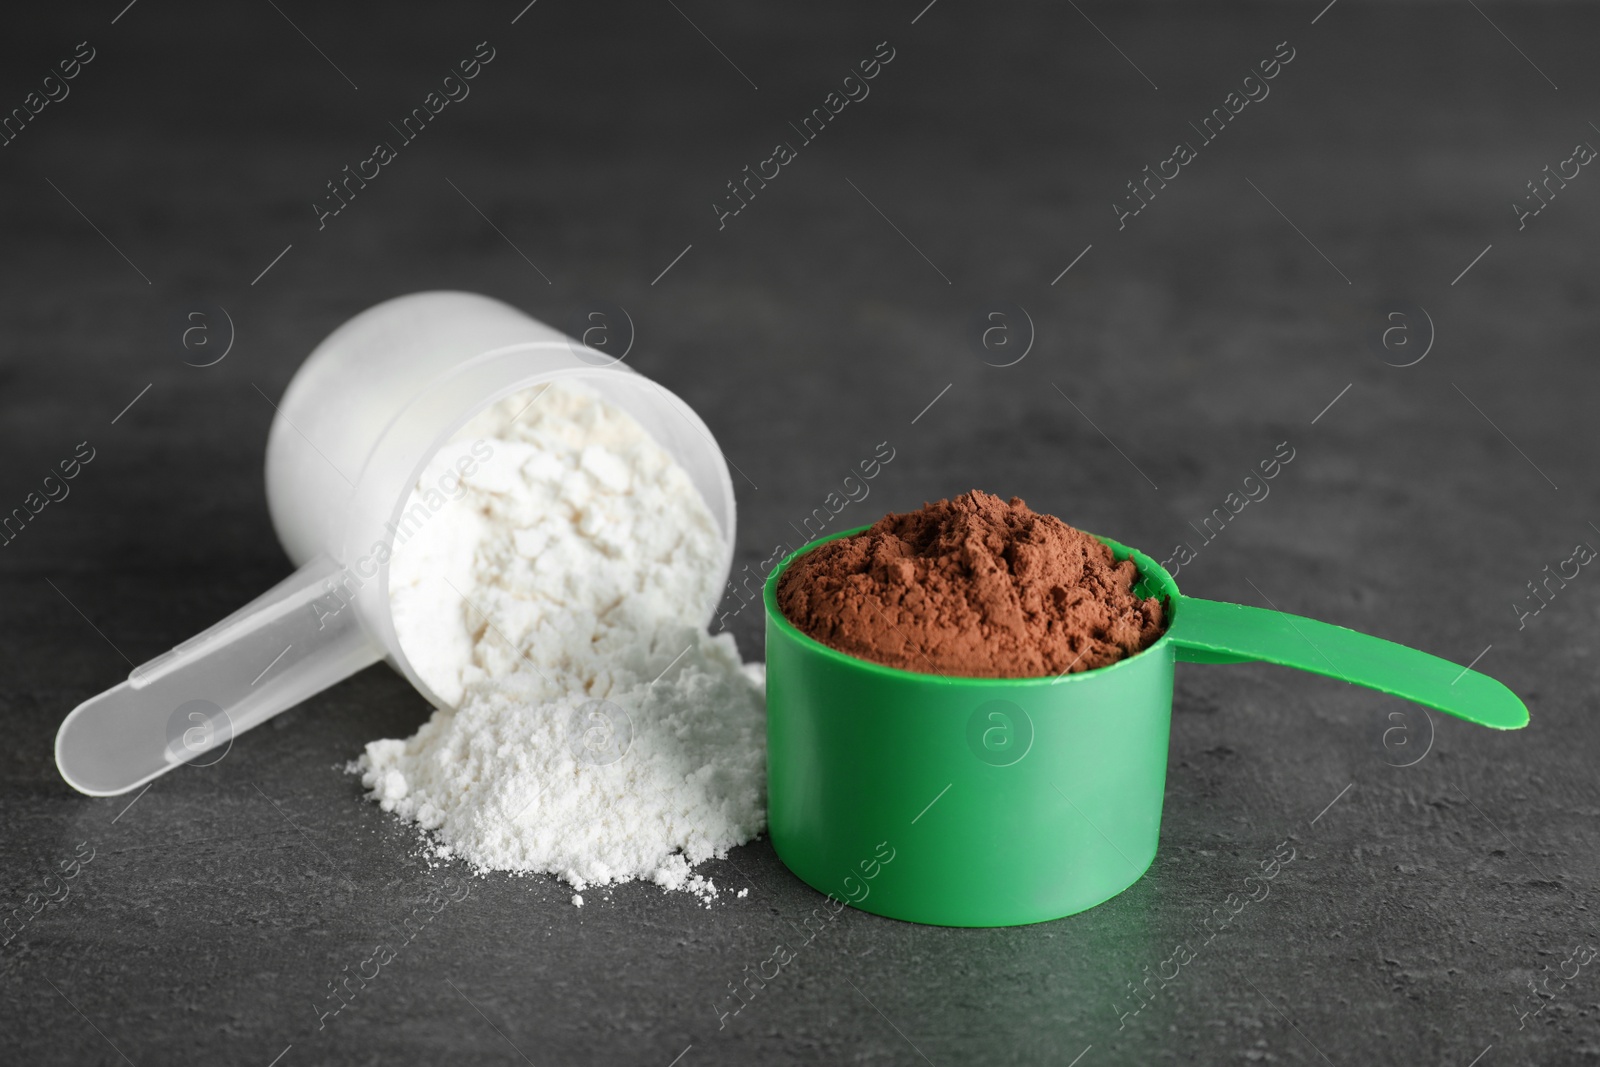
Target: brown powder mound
{"x":972,"y":587}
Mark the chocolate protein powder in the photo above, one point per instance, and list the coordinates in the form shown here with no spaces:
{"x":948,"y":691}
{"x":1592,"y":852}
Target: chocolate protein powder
{"x":972,"y":587}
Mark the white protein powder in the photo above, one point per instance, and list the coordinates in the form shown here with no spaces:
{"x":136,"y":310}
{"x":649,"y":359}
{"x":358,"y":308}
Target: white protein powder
{"x":552,"y":587}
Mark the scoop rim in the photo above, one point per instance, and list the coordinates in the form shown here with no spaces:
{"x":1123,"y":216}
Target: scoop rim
{"x":1149,"y":571}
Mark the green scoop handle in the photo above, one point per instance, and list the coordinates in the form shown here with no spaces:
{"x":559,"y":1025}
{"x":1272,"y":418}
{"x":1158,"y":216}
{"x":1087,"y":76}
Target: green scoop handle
{"x":1209,"y":631}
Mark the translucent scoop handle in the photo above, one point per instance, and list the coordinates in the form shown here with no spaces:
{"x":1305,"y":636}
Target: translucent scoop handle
{"x":293,"y":641}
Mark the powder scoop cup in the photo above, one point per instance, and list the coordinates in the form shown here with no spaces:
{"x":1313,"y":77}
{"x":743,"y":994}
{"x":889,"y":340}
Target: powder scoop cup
{"x":353,"y":433}
{"x":1002,"y":801}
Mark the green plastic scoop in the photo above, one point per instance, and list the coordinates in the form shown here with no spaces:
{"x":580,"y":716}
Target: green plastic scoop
{"x":1000,"y":801}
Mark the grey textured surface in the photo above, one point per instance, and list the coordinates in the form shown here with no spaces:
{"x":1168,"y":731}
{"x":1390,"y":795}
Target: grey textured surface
{"x":218,"y":908}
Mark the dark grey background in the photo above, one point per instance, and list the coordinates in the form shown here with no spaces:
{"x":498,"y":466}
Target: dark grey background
{"x":219,"y":907}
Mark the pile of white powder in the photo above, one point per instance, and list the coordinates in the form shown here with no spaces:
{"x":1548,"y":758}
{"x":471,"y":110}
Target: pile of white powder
{"x":554,"y":592}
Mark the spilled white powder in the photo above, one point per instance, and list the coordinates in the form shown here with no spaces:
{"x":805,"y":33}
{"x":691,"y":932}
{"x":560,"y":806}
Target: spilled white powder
{"x":557,"y":601}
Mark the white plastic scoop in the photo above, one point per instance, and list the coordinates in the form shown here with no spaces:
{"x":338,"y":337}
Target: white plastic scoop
{"x":358,"y":423}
